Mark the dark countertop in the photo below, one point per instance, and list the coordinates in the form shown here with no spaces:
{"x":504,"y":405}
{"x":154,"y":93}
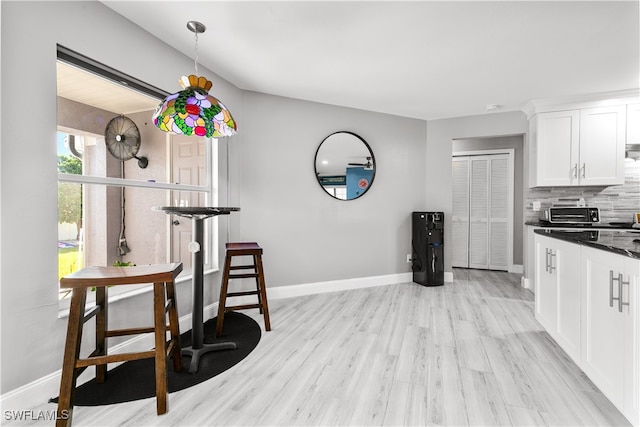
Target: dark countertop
{"x":623,"y":242}
{"x":599,"y":226}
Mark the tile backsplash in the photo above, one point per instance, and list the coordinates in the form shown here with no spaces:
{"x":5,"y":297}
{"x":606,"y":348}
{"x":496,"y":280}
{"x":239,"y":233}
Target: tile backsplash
{"x":617,"y":203}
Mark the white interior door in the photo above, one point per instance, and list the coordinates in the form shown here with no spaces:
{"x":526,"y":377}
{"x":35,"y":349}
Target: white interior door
{"x":482,"y":206}
{"x":460,"y":213}
{"x":499,"y":224}
{"x":478,"y":213}
{"x":188,"y":156}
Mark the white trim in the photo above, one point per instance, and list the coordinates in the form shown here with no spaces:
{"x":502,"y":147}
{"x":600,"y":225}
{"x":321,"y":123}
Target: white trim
{"x":516,"y":268}
{"x":620,"y":97}
{"x":120,"y":182}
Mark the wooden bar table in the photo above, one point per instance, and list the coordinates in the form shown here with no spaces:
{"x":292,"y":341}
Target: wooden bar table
{"x":197,"y":216}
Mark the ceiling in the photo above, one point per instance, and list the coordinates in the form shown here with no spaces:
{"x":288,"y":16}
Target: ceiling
{"x":420,"y":59}
{"x":104,"y":94}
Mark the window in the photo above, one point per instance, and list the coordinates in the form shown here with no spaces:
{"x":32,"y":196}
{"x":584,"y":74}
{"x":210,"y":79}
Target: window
{"x":106,"y":205}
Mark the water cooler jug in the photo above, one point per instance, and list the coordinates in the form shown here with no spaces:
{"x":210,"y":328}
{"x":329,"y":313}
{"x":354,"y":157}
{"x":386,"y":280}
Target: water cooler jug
{"x":427,"y":241}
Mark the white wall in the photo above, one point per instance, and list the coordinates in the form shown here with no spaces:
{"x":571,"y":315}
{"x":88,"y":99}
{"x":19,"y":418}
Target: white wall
{"x":440,"y":134}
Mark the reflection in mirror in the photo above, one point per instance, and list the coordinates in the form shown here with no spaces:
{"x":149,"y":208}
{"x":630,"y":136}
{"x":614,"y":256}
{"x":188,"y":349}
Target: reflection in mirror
{"x":345,"y":166}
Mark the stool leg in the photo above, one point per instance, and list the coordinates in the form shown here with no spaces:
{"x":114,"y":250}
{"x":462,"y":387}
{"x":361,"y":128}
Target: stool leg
{"x":101,"y":331}
{"x":160,"y":324}
{"x":174,"y":326}
{"x":255,"y":266}
{"x":224,"y":285}
{"x":263,"y":294}
{"x":71,"y":354}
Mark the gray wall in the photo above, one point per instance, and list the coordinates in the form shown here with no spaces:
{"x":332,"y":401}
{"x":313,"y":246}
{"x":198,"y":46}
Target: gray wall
{"x":440,"y":134}
{"x":28,"y":177}
{"x":517,"y":144}
{"x":309,"y":236}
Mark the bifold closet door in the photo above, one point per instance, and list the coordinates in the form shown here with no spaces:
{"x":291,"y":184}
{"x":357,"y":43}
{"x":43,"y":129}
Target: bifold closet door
{"x":460,"y":213}
{"x":499,"y":213}
{"x":480,"y":220}
{"x":478,"y":212}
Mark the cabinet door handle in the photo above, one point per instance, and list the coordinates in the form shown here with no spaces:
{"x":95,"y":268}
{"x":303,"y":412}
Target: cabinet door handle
{"x":611,"y":288}
{"x":551,"y":256}
{"x":574,"y":171}
{"x":611,"y":298}
{"x":621,"y":282}
{"x":546,"y":260}
{"x":584,"y":170}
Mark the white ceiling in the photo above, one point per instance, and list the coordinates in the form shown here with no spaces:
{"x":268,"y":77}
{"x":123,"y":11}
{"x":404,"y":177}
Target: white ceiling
{"x":89,"y":89}
{"x":421,"y":59}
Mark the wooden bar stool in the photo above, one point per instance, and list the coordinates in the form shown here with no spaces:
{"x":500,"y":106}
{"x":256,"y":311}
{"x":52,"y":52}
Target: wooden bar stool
{"x":164,"y":301}
{"x":243,"y":249}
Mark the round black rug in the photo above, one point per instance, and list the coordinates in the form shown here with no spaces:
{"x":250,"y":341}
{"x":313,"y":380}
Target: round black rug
{"x":135,"y":380}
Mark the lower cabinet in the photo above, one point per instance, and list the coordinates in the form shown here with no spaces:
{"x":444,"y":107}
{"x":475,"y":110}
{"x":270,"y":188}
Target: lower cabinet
{"x":587,"y":299}
{"x":557,"y":290}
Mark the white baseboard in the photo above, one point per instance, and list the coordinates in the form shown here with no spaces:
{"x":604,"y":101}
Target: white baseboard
{"x":517,"y":268}
{"x":41,"y":390}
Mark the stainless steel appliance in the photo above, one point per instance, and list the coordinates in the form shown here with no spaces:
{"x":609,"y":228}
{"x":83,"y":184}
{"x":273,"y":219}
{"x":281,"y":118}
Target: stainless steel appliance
{"x":570,"y":215}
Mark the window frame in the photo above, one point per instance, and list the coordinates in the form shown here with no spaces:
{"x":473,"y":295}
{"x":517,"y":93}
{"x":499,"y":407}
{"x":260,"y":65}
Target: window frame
{"x":211,"y":180}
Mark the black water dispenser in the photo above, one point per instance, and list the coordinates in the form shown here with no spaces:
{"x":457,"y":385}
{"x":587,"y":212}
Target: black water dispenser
{"x":427,"y":241}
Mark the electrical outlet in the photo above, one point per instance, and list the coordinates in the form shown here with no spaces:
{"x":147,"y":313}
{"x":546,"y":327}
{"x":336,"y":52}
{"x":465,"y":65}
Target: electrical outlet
{"x":408,"y":258}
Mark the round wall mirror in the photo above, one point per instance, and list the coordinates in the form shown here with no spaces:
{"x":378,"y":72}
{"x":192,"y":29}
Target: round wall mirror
{"x":345,"y":166}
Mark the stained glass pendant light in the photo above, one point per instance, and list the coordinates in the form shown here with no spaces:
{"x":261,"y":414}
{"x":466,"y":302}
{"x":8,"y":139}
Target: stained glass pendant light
{"x":192,"y":111}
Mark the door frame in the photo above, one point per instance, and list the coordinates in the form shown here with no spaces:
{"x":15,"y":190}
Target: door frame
{"x":510,"y":152}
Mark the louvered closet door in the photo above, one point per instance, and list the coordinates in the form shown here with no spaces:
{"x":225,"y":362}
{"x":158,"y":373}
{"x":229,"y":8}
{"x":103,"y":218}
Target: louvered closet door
{"x":460,"y":214}
{"x":478,"y":212}
{"x":481,"y":206}
{"x":498,"y":212}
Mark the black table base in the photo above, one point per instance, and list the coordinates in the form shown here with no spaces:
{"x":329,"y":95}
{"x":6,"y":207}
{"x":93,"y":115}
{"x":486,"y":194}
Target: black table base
{"x":198,"y":215}
{"x":195,"y":353}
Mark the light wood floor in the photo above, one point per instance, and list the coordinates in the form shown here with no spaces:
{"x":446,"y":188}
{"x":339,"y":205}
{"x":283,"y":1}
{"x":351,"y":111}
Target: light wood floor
{"x":468,"y":353}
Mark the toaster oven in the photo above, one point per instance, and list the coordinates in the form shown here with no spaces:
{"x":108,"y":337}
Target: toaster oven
{"x":570,"y":215}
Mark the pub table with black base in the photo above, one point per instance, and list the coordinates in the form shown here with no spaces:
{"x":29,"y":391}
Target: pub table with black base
{"x":198,"y":215}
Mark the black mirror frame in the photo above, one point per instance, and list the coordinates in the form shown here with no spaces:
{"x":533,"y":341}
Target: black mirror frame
{"x":373,"y":159}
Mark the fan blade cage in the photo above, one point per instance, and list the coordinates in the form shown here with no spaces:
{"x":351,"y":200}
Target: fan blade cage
{"x":122,"y":138}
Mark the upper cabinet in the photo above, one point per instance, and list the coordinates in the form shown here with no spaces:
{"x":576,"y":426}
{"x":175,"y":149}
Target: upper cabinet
{"x":602,"y":141}
{"x":578,"y":147}
{"x":633,"y":124}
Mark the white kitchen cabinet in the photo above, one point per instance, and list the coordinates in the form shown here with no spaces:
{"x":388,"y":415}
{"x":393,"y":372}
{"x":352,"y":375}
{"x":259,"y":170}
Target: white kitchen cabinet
{"x":610,"y":327}
{"x":578,"y":147}
{"x":558,"y":292}
{"x":602,"y":141}
{"x":631,"y":360}
{"x":633,"y":124}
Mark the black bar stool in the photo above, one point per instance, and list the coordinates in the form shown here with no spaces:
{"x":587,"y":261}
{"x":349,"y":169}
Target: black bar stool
{"x":243,"y":249}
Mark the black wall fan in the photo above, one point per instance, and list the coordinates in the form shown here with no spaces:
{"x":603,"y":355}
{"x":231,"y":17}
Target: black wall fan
{"x":122,"y":138}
